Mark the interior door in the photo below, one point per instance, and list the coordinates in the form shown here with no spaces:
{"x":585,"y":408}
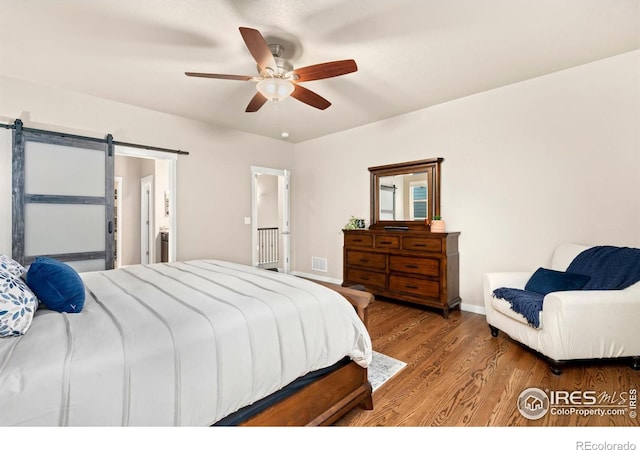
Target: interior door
{"x":146,"y":220}
{"x":284,"y":181}
{"x":63,"y":199}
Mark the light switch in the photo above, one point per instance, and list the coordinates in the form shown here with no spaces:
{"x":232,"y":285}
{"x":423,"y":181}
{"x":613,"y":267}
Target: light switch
{"x":247,"y":220}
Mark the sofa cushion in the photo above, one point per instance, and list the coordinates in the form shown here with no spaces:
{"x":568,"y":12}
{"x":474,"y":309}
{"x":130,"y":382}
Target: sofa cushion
{"x":544,"y":281}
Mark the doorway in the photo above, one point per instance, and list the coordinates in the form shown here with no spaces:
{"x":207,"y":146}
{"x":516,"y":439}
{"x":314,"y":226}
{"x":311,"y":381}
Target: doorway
{"x":143,"y":170}
{"x":270,"y":224}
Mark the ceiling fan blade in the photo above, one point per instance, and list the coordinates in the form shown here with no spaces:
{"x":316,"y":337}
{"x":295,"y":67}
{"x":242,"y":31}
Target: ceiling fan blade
{"x":218,"y":75}
{"x":325,"y":70}
{"x":258,"y":48}
{"x":309,"y":97}
{"x":256,"y":102}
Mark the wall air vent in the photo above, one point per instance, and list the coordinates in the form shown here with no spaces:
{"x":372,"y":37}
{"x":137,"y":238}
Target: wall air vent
{"x":318,"y":264}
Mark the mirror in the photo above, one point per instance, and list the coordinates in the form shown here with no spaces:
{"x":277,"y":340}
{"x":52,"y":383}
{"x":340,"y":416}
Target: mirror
{"x":405,"y":195}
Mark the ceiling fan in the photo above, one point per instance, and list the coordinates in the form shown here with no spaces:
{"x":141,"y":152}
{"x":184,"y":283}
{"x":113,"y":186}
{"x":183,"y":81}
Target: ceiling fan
{"x":277,"y":79}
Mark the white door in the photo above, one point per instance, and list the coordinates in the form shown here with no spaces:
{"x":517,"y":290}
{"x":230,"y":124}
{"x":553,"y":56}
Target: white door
{"x":146,"y":220}
{"x":284,"y":180}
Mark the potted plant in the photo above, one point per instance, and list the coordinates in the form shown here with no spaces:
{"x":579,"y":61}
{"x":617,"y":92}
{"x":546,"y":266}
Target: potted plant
{"x":437,"y":224}
{"x":355,"y":223}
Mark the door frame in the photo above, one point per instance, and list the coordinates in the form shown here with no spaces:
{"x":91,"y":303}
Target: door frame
{"x":123,"y":150}
{"x":118,"y":232}
{"x":147,"y":199}
{"x":284,"y":176}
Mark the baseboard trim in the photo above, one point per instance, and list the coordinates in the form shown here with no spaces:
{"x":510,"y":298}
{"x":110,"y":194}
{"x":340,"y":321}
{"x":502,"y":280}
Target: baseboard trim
{"x":473,"y":308}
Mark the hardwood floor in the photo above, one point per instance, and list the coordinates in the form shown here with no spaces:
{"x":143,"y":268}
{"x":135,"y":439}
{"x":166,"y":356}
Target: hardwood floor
{"x":457,"y":374}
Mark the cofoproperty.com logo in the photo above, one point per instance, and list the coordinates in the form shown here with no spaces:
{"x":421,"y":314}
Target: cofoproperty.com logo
{"x":534,"y":403}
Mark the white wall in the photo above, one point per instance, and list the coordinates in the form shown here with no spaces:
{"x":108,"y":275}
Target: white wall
{"x":214,"y":180}
{"x":526,"y":167}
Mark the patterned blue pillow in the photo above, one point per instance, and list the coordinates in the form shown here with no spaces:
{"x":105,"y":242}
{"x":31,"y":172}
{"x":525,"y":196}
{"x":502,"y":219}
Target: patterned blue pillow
{"x":9,"y":265}
{"x":17,"y":305}
{"x":56,"y":284}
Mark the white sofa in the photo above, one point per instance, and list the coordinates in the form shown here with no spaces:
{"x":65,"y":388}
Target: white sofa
{"x":574,"y":325}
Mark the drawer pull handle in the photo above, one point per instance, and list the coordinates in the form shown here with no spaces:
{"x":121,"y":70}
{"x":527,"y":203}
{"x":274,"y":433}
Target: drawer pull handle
{"x":419,"y":245}
{"x":364,"y":278}
{"x":386,"y":242}
{"x":362,"y":260}
{"x":410,"y":286}
{"x":357,"y":240}
{"x":411,"y":266}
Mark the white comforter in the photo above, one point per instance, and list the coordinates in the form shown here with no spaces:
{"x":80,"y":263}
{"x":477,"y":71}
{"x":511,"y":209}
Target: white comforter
{"x":174,"y":344}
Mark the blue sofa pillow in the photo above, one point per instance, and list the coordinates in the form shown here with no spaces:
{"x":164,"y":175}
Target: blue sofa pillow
{"x":544,"y":281}
{"x":56,"y":284}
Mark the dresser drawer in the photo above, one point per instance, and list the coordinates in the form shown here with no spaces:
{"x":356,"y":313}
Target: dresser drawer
{"x":414,"y":286}
{"x":387,"y":242}
{"x":423,"y":244}
{"x":372,"y":260}
{"x":366,"y":278}
{"x":358,"y":240}
{"x":411,"y":264}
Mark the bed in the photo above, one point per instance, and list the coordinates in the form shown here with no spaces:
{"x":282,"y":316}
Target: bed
{"x":191,"y":344}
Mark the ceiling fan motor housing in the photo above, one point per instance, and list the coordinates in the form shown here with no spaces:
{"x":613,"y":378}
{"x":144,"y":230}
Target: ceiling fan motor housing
{"x":284,"y":66}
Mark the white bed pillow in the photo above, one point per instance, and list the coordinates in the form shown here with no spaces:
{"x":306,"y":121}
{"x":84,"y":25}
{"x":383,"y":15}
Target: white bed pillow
{"x":17,"y":305}
{"x":10,"y":265}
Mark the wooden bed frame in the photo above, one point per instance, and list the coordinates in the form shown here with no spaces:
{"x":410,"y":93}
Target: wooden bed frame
{"x":326,"y":400}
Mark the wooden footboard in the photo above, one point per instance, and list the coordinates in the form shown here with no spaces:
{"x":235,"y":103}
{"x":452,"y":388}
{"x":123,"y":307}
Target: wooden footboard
{"x":359,"y":299}
{"x":329,"y":398}
{"x":322,"y":402}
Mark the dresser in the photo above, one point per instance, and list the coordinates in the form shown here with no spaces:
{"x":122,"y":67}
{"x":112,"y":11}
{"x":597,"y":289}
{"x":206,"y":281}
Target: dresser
{"x":416,"y":266}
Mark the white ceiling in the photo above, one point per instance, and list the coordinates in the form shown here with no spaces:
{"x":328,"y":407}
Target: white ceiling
{"x":411,"y":54}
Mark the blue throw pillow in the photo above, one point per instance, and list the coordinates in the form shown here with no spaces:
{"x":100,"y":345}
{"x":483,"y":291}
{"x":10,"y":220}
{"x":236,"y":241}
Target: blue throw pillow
{"x":56,"y":284}
{"x":544,"y":281}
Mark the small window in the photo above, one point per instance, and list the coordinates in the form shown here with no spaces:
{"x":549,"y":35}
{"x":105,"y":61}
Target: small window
{"x":418,"y":201}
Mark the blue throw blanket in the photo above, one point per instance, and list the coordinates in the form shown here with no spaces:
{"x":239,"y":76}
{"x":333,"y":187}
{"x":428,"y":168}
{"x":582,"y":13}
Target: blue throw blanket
{"x":610,"y":268}
{"x":527,"y":303}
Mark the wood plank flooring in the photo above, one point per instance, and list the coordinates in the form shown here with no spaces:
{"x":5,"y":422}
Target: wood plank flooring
{"x":457,"y":374}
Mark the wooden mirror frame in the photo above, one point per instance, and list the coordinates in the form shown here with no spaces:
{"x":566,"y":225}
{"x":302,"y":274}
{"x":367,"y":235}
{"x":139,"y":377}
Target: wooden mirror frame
{"x":431,"y":167}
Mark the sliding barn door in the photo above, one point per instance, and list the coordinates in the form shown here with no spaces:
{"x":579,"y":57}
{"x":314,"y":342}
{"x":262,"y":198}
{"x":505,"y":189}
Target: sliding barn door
{"x":63,"y":199}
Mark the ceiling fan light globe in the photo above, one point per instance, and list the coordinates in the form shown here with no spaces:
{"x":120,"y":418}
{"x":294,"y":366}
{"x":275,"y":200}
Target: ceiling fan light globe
{"x":275,"y":89}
